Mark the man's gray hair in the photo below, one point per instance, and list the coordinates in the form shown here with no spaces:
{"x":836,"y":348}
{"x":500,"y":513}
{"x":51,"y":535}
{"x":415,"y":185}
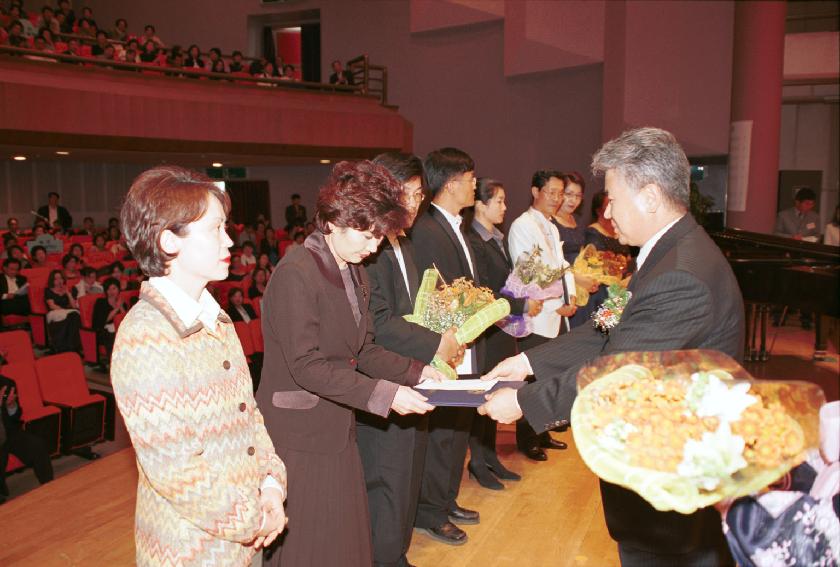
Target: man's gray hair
{"x":648,"y":155}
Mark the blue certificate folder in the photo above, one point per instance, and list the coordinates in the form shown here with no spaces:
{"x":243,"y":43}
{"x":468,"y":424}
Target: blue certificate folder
{"x":465,"y":398}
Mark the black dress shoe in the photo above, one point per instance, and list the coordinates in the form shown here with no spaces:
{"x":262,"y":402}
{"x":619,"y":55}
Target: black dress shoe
{"x":447,"y":533}
{"x":460,"y":515}
{"x":535,"y":453}
{"x":553,"y":444}
{"x":564,"y":425}
{"x":500,"y":471}
{"x":482,"y":475}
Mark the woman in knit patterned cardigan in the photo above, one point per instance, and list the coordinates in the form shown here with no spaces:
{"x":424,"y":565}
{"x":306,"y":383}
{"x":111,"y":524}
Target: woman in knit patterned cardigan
{"x":211,"y":487}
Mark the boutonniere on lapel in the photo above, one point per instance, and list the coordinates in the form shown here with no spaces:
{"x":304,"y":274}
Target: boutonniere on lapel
{"x":609,"y":313}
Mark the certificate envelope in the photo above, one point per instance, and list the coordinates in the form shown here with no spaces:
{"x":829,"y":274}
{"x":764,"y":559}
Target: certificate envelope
{"x":463,"y":398}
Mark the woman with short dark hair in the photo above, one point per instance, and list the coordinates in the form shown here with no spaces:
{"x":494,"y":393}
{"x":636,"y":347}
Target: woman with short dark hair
{"x":63,"y":320}
{"x":105,"y":311}
{"x":321,"y":365}
{"x":210,"y":487}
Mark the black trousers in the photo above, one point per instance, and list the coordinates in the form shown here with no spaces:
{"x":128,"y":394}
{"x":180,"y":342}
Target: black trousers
{"x":393,"y":452}
{"x":449,"y":431}
{"x":31,"y":450}
{"x":17,"y":305}
{"x":526,"y":437}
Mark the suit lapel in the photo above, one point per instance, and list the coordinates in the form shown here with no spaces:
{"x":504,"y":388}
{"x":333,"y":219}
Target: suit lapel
{"x":410,"y":267}
{"x":682,"y":227}
{"x":453,"y":238}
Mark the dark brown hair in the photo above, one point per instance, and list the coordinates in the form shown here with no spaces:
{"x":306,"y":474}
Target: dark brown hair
{"x":164,"y":198}
{"x":363,"y":196}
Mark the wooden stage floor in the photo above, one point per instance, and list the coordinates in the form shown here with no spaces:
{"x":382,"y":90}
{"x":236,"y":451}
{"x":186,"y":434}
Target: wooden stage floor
{"x":552,"y":517}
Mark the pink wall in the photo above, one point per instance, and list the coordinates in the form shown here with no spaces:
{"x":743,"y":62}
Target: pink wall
{"x":288,"y":46}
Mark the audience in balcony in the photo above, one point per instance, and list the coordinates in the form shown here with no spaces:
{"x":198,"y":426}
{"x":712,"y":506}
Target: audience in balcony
{"x":150,"y":52}
{"x":63,"y":321}
{"x":15,"y":35}
{"x":87,"y":16}
{"x":341,"y":76}
{"x":88,"y":284}
{"x":101,"y":43}
{"x":54,"y":214}
{"x":13,"y":287}
{"x":120,"y":30}
{"x":194,"y":59}
{"x":235,"y":66}
{"x":27,"y":447}
{"x":105,"y":310}
{"x":237,"y":308}
{"x":67,"y":13}
{"x":218,"y":67}
{"x":86,"y":27}
{"x":16,"y":15}
{"x":150,"y":34}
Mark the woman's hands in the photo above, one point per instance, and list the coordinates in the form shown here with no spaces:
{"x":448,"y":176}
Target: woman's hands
{"x":450,"y":350}
{"x":408,"y":401}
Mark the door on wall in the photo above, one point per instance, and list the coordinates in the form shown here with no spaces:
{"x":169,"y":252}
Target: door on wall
{"x":248,"y":199}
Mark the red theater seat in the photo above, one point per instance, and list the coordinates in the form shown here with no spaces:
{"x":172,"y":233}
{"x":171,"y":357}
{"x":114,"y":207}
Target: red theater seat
{"x":244,"y":334}
{"x":63,"y":384}
{"x":18,"y":347}
{"x":38,"y":313}
{"x":90,"y":344}
{"x":256,"y":334}
{"x":38,"y":419}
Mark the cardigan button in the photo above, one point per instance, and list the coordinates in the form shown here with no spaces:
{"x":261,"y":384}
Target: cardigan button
{"x":251,"y":451}
{"x":243,"y":406}
{"x":226,"y":365}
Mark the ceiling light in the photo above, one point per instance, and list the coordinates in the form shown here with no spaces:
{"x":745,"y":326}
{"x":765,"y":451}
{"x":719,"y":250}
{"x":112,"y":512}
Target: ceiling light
{"x":216,"y":164}
{"x":61,"y":153}
{"x":325,"y":161}
{"x":19,"y":158}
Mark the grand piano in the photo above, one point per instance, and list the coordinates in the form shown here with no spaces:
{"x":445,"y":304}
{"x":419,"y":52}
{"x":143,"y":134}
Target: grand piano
{"x":781,"y":273}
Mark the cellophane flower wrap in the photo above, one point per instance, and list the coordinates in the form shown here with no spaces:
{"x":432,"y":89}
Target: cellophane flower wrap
{"x":605,"y":267}
{"x":469,"y":308}
{"x":688,"y":429}
{"x":531,"y":278}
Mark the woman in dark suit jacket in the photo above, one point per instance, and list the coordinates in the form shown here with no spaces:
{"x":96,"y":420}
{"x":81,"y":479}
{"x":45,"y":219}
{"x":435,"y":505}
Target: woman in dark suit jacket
{"x":493,"y":266}
{"x":237,"y":309}
{"x":321,"y":365}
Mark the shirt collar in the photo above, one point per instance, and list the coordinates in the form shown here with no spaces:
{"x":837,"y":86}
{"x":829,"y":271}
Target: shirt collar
{"x":485,"y":234}
{"x":188,"y":310}
{"x":454,"y":220}
{"x":644,"y":251}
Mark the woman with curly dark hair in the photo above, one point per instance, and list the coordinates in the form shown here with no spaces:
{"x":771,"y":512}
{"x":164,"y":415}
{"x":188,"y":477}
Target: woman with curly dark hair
{"x":321,"y":366}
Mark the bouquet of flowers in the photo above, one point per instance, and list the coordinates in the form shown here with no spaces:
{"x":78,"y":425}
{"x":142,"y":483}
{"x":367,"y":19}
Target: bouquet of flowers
{"x":685,"y":436}
{"x":533,"y":279}
{"x":609,"y":313}
{"x":461,"y":304}
{"x":605,"y":267}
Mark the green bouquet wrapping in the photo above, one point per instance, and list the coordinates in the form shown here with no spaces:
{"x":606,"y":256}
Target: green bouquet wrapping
{"x":461,"y":304}
{"x":688,"y":429}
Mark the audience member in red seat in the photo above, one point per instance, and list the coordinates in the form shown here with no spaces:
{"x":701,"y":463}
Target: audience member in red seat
{"x":114,"y":235}
{"x":88,"y":228}
{"x":215,"y":54}
{"x":259,"y":279}
{"x":194,"y":59}
{"x":150,"y":34}
{"x":270,"y":247}
{"x":16,"y":37}
{"x":74,"y":47}
{"x":78,"y":251}
{"x":237,"y":308}
{"x":63,"y":320}
{"x":101,"y":43}
{"x":87,"y":14}
{"x":16,"y":14}
{"x":99,"y":243}
{"x":256,"y":66}
{"x":16,"y":252}
{"x":264,"y":263}
{"x":218,"y":67}
{"x":13,"y":226}
{"x":27,"y":447}
{"x":70,"y":267}
{"x":247,"y":258}
{"x":288,"y":73}
{"x":130,"y":55}
{"x":110,"y":54}
{"x":86,"y":27}
{"x":39,"y":229}
{"x":39,"y":257}
{"x":340,"y":76}
{"x":247,"y":234}
{"x":236,"y":273}
{"x":120,"y":30}
{"x":13,"y":298}
{"x":69,"y":15}
{"x":267,"y":73}
{"x":104,"y":311}
{"x":47,"y":16}
{"x":150,"y":52}
{"x":235,"y":65}
{"x":49,"y":41}
{"x":117,"y":271}
{"x":88,"y":284}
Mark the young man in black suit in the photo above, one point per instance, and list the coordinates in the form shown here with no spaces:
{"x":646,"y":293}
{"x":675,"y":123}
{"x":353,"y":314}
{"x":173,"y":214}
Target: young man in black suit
{"x":11,"y":301}
{"x":439,"y":240}
{"x":55,"y":215}
{"x":393,"y":449}
{"x":684,"y":296}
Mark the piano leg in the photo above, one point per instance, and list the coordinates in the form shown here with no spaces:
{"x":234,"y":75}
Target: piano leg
{"x":749,"y":347}
{"x":820,"y":345}
{"x":764,"y":314}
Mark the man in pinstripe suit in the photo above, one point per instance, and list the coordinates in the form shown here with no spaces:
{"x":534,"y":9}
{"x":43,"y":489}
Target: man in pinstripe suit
{"x":684,"y":296}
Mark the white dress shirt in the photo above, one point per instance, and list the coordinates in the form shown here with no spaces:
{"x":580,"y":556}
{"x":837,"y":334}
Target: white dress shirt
{"x":644,"y":251}
{"x":395,"y":244}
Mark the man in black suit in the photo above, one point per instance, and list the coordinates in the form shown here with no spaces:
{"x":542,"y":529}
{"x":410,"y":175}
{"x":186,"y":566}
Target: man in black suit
{"x":295,"y":213}
{"x":341,"y":76}
{"x":29,"y":448}
{"x":393,"y":449}
{"x":684,"y":296}
{"x":55,"y":215}
{"x":13,"y":300}
{"x":439,"y":240}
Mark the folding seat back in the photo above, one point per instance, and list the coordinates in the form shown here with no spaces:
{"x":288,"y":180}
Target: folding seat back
{"x":37,"y":303}
{"x":38,"y":419}
{"x":86,"y":304}
{"x":18,"y":347}
{"x":244,"y":334}
{"x":256,"y":335}
{"x":38,"y":276}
